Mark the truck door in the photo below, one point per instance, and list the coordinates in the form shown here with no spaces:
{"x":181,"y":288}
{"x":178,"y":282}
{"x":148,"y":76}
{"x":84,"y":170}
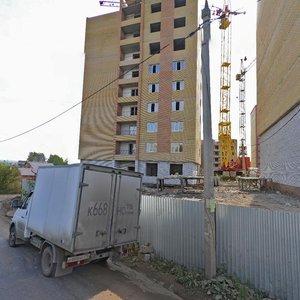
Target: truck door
{"x":94,"y":218}
{"x":20,"y":218}
{"x":127,"y":210}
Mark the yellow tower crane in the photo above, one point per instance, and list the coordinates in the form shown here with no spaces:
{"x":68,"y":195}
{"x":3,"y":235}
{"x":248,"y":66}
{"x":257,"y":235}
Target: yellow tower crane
{"x":225,"y":152}
{"x":225,"y":86}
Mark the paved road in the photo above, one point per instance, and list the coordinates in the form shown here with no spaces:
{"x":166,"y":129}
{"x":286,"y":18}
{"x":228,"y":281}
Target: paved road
{"x":21,"y":278}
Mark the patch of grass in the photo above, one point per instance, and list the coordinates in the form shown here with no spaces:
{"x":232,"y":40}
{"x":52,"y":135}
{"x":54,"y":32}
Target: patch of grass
{"x":188,"y":279}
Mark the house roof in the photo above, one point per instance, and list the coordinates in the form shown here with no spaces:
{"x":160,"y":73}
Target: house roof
{"x":35,"y":165}
{"x":26,"y":172}
{"x":32,"y":168}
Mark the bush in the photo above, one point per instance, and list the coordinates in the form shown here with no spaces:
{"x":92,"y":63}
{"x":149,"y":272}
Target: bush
{"x":9,"y":179}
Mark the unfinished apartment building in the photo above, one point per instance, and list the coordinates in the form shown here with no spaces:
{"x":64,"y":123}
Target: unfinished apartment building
{"x":142,"y":86}
{"x":276,"y":118}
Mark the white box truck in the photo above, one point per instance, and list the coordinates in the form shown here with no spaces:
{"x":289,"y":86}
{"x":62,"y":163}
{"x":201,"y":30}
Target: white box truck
{"x":78,"y":213}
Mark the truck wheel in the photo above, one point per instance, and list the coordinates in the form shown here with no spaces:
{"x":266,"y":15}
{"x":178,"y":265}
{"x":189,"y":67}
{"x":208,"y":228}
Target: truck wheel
{"x":12,"y":240}
{"x":47,"y":264}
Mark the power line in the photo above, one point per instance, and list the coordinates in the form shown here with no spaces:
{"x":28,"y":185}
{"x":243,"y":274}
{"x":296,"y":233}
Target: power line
{"x":105,"y":86}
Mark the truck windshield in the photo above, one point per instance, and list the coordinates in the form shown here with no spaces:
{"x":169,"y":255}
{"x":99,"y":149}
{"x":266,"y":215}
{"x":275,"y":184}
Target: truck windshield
{"x":26,"y":201}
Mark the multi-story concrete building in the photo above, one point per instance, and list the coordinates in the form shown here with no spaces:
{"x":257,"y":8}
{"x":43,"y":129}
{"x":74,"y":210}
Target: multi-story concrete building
{"x":216,"y":154}
{"x":278,"y":92}
{"x":142,"y":86}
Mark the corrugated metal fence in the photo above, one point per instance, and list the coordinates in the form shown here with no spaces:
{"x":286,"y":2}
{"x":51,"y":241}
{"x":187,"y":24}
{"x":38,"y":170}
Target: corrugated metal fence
{"x":175,"y":228}
{"x":260,"y":246}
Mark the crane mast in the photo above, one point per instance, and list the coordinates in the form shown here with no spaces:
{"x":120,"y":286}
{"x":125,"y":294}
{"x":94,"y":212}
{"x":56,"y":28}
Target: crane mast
{"x":225,"y":86}
{"x":242,"y":98}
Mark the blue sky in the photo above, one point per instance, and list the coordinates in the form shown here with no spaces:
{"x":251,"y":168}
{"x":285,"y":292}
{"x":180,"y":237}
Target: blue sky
{"x":41,"y":72}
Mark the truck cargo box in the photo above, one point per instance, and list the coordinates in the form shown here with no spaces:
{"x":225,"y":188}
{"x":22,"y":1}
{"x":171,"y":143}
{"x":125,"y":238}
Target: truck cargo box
{"x":84,"y":207}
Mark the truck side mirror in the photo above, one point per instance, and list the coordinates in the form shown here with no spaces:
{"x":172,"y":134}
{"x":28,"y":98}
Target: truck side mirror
{"x":16,"y":203}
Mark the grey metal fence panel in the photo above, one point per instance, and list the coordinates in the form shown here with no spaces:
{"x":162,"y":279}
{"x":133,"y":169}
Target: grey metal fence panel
{"x":261,"y":247}
{"x":175,"y":228}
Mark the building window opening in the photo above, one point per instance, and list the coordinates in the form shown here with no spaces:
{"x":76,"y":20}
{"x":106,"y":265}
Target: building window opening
{"x":133,"y":110}
{"x":155,"y":27}
{"x":151,"y":147}
{"x":179,"y":44}
{"x":135,"y":74}
{"x":154,"y":48}
{"x":152,"y":127}
{"x":176,"y":147}
{"x":178,"y":65}
{"x":151,"y":169}
{"x":179,"y":22}
{"x":154,"y":69}
{"x":153,"y":107}
{"x":178,"y":85}
{"x":178,"y":105}
{"x":135,"y":55}
{"x":179,"y":3}
{"x":134,"y":92}
{"x":153,"y":88}
{"x":156,"y":7}
{"x":177,"y":126}
{"x":176,"y":169}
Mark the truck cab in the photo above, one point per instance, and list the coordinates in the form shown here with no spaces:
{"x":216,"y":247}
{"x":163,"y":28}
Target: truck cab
{"x":18,"y":227}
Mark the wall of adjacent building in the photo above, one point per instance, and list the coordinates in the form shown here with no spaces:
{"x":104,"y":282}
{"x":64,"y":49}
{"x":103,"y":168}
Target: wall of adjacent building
{"x":102,"y":56}
{"x":278,"y":92}
{"x":278,"y":61}
{"x":254,"y":146}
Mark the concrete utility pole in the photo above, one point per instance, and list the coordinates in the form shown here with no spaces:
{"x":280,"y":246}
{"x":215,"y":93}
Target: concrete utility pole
{"x":210,"y":226}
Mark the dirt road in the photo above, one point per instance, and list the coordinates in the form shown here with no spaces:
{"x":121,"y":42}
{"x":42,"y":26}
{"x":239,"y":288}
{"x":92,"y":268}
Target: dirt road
{"x":21,"y":278}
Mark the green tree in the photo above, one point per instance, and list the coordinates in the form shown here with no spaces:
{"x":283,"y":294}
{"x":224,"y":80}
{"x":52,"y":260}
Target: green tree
{"x":36,"y":156}
{"x":9,"y":179}
{"x":57,"y":160}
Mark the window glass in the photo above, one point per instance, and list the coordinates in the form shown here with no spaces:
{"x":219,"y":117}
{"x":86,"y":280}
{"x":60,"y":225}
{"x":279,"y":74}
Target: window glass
{"x":156,"y":7}
{"x":176,"y":147}
{"x":153,"y":87}
{"x":152,"y":127}
{"x":134,"y":92}
{"x":153,"y":69}
{"x":151,"y":147}
{"x":178,"y":65}
{"x":178,"y":85}
{"x":179,"y":3}
{"x":155,"y":27}
{"x":152,"y":107}
{"x":178,"y":105}
{"x":179,"y":44}
{"x":179,"y":22}
{"x":154,"y":48}
{"x":176,"y":126}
